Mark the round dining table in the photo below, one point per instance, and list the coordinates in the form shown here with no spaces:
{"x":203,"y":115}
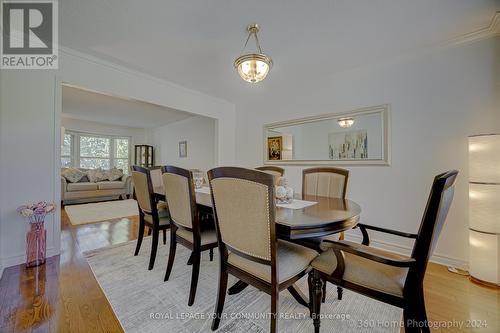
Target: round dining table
{"x":324,"y":217}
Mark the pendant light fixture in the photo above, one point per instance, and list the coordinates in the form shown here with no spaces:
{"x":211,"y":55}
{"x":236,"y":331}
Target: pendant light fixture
{"x":345,"y":122}
{"x":253,"y":67}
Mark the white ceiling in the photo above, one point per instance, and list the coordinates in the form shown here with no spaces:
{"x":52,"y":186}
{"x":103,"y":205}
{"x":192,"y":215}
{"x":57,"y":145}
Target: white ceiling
{"x":92,"y":106}
{"x":194,"y":43}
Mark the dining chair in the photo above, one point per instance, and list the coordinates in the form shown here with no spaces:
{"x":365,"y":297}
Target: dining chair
{"x":385,"y":276}
{"x":151,"y":214}
{"x":244,"y":208}
{"x":325,"y":182}
{"x":185,"y":222}
{"x":277,"y":172}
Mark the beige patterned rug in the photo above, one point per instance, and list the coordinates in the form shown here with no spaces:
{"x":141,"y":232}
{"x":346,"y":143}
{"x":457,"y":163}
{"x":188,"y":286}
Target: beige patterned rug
{"x":101,"y":211}
{"x":144,"y":303}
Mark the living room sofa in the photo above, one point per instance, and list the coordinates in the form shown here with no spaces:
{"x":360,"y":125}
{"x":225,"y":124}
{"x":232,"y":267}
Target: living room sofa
{"x":88,"y":191}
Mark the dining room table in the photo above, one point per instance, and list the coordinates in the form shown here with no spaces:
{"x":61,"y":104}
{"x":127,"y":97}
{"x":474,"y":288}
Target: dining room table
{"x":306,"y":219}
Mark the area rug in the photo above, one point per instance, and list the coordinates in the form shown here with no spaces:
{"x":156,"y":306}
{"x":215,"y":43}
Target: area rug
{"x":142,"y":302}
{"x":101,"y":211}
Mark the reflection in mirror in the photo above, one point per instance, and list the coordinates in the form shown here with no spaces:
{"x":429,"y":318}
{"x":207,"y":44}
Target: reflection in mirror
{"x":358,"y":137}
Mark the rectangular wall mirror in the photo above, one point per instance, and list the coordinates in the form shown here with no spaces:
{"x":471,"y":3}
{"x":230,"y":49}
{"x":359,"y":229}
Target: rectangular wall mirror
{"x":355,"y":138}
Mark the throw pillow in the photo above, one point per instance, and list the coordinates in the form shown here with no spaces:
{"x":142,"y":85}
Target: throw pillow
{"x":96,"y":175}
{"x":72,"y":175}
{"x":114,"y":174}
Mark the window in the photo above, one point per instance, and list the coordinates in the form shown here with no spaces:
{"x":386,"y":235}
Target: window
{"x":67,"y":151}
{"x":91,"y":151}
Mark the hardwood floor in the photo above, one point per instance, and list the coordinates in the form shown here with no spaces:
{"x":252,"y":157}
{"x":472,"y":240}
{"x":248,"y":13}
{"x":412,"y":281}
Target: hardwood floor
{"x":63,"y":295}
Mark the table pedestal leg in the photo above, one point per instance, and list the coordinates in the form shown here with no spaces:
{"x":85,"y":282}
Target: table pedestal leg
{"x":298,"y":295}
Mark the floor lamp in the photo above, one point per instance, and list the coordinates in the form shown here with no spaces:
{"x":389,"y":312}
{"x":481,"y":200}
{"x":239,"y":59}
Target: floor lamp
{"x":484,"y":208}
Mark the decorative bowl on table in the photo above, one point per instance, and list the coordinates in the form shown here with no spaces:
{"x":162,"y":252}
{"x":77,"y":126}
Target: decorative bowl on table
{"x":284,"y":193}
{"x":198,"y":178}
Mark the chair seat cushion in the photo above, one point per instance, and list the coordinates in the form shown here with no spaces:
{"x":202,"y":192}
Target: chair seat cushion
{"x":366,"y":272}
{"x":74,"y":187}
{"x":292,"y":259}
{"x":207,"y":236}
{"x":111,"y":185}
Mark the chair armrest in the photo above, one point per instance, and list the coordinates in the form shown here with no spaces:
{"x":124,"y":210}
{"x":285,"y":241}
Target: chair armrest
{"x":364,"y":251}
{"x":64,"y":183}
{"x":366,"y":238}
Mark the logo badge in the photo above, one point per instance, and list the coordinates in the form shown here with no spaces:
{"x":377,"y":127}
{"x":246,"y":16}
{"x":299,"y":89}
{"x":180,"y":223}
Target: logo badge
{"x":29,"y":35}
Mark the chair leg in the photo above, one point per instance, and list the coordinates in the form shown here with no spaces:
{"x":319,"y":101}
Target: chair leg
{"x":340,"y":291}
{"x":154,"y":247}
{"x":171,"y":254}
{"x":323,"y":298}
{"x":164,"y":236}
{"x":410,"y":319}
{"x":211,"y":254}
{"x":194,"y":276}
{"x":274,"y":310}
{"x":221,"y":296}
{"x":423,"y":314}
{"x":317,"y":284}
{"x":140,"y":236}
{"x":310,"y":287}
{"x":190,"y":260}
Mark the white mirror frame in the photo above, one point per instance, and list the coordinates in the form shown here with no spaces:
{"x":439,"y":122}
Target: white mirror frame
{"x":386,"y":130}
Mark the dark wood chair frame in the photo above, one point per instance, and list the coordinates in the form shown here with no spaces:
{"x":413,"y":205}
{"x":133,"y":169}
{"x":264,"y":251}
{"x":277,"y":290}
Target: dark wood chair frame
{"x":271,"y":168}
{"x":315,"y":243}
{"x":412,"y":302}
{"x":195,"y":246}
{"x":155,"y":227}
{"x":226,"y":268}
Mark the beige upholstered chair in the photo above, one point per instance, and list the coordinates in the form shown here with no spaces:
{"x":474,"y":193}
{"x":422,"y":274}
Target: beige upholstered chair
{"x":244,"y":209}
{"x":185,"y":222}
{"x":325,"y":182}
{"x":277,"y":172}
{"x":387,"y":277}
{"x":151,"y":214}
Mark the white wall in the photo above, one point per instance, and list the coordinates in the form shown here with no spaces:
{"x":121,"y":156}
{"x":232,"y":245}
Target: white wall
{"x":30,"y":106}
{"x":199,"y":132}
{"x":137,"y":135}
{"x":437,"y":100}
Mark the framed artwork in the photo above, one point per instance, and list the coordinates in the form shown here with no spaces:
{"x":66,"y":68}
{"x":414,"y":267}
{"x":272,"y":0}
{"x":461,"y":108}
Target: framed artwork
{"x":182,"y":148}
{"x":274,"y":148}
{"x":352,"y":145}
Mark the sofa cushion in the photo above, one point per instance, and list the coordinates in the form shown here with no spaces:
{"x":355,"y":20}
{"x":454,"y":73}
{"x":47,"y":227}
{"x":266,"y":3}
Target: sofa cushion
{"x":74,"y":187}
{"x":72,"y":175}
{"x":97,"y":175}
{"x":111,"y":185}
{"x":114,"y":174}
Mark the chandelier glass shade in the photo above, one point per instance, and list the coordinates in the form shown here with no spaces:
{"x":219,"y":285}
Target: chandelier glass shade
{"x":253,"y":67}
{"x":345,"y":122}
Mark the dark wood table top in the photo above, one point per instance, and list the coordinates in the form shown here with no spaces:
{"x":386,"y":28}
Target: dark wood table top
{"x":327,"y":216}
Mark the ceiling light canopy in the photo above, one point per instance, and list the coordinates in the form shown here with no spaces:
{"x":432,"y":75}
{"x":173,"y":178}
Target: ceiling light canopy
{"x":345,"y":122}
{"x":253,"y":67}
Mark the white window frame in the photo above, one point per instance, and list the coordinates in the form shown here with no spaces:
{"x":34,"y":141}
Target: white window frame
{"x":75,"y":147}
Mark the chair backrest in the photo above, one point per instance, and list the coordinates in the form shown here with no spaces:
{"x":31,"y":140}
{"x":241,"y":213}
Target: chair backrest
{"x":325,"y":182}
{"x":181,"y":197}
{"x":436,"y":210}
{"x":277,"y":172}
{"x":143,"y":189}
{"x":156,"y":179}
{"x":243,"y":202}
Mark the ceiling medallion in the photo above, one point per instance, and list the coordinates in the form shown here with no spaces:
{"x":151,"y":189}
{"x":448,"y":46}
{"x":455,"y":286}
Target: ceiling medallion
{"x":253,"y":67}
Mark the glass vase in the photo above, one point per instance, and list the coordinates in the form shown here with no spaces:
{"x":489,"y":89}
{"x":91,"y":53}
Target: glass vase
{"x":36,"y":244}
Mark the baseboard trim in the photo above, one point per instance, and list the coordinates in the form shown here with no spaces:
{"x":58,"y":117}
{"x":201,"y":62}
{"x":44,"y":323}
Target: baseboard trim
{"x":20,"y":258}
{"x":405,"y":250}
